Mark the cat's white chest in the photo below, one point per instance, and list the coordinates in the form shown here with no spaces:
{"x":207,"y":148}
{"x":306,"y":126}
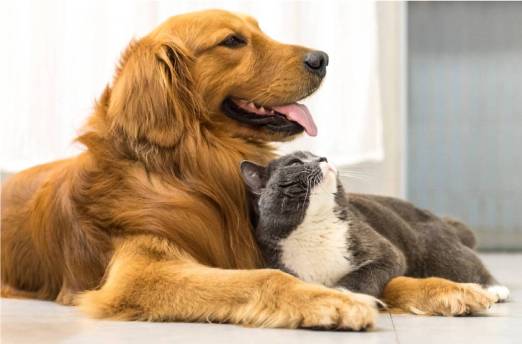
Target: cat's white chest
{"x":317,"y":250}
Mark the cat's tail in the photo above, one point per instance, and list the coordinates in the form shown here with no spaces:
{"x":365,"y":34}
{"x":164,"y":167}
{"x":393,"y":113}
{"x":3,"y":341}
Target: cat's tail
{"x":464,"y":233}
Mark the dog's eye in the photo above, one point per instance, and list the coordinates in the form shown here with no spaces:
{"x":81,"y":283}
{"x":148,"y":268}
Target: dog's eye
{"x":233,"y":41}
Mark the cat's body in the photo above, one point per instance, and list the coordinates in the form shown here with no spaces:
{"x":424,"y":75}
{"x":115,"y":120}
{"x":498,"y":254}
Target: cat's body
{"x":307,"y":225}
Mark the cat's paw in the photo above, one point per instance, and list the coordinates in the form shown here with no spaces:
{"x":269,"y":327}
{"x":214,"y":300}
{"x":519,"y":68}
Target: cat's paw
{"x":501,"y":292}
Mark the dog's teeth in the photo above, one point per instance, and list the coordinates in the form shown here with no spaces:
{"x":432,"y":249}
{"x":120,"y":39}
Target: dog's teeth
{"x":251,"y":105}
{"x":262,"y":109}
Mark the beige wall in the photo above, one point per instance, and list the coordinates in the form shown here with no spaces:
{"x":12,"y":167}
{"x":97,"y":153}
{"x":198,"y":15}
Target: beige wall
{"x":388,"y":177}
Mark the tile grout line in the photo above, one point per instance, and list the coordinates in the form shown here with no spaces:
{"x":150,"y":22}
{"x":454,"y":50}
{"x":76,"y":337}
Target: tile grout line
{"x":394,"y":328}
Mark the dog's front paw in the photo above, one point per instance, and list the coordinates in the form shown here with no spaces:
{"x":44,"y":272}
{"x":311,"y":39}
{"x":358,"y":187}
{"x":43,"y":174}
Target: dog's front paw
{"x":501,"y":292}
{"x":322,"y":308}
{"x":364,"y":297}
{"x":462,"y":299}
{"x":342,"y":311}
{"x":437,"y":296}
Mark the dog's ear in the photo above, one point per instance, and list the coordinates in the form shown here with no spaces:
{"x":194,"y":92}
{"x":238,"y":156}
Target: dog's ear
{"x":153,"y":93}
{"x":253,"y":175}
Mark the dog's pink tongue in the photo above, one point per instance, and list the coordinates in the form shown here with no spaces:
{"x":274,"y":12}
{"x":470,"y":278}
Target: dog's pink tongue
{"x":299,"y":113}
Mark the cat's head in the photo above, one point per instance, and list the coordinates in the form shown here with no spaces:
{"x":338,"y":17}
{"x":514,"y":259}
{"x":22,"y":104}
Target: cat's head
{"x":289,"y":187}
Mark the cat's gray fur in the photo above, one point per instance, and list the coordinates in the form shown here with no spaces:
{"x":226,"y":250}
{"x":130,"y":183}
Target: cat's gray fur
{"x":382,"y":237}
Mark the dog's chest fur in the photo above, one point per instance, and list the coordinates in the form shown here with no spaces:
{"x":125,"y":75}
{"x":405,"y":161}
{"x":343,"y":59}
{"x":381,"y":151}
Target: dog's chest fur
{"x":318,"y":249}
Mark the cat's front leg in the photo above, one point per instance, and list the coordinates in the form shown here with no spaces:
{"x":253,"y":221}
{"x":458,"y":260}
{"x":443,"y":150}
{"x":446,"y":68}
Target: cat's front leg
{"x":373,"y":276}
{"x":376,"y":262}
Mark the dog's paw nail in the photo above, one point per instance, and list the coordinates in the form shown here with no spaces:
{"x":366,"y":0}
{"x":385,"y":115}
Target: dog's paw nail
{"x":380,"y":305}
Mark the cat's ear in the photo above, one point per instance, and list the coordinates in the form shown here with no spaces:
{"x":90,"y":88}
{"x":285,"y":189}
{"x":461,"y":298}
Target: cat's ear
{"x":253,"y":175}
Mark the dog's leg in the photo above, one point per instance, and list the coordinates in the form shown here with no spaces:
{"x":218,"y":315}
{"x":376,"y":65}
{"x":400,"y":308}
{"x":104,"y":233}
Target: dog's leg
{"x":436,"y":296}
{"x":66,"y":295}
{"x":149,"y":279}
{"x":10,"y":292}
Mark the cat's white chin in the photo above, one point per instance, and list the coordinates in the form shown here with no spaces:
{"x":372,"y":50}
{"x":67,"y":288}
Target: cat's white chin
{"x":329,"y":180}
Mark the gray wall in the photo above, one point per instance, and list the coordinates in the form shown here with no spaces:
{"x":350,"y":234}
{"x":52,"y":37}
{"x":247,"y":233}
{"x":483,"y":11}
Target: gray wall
{"x":465,"y":115}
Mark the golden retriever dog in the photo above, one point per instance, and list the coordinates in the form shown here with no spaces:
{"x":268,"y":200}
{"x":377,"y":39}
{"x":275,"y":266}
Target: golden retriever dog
{"x":151,"y":222}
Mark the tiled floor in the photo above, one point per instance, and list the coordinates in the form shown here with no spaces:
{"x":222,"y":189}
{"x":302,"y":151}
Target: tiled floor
{"x":45,"y":322}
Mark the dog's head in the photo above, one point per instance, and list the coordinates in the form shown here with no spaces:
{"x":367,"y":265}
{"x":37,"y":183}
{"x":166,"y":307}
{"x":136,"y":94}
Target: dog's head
{"x":218,"y":70}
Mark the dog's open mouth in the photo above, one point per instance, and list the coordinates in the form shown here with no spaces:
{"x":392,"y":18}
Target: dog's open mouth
{"x":290,"y":118}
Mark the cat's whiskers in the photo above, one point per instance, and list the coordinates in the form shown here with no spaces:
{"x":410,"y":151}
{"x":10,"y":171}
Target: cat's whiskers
{"x":355,"y":175}
{"x":351,"y":172}
{"x":308,"y":187}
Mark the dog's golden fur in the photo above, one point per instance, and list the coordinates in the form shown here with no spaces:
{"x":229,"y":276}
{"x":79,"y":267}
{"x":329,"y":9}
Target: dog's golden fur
{"x":151,"y":221}
{"x":436,"y":296}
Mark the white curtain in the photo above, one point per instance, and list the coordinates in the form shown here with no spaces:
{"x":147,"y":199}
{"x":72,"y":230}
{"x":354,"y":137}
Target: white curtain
{"x":58,"y":55}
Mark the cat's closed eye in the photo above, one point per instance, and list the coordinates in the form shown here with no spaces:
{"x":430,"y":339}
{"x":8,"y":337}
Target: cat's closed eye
{"x":294,"y":162}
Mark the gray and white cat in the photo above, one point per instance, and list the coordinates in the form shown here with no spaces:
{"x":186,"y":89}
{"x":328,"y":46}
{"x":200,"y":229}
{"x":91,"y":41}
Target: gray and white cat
{"x":305,"y":224}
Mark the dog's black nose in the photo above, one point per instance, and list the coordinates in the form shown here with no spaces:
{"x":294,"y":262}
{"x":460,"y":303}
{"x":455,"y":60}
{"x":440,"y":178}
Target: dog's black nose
{"x":316,"y":62}
{"x":321,"y":159}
